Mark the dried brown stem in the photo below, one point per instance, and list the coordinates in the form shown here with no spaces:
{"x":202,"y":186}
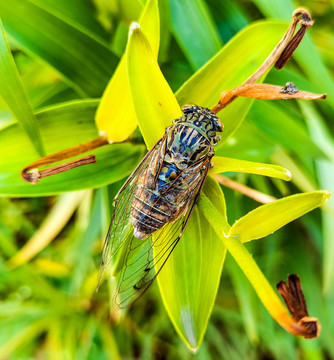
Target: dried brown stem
{"x":293,"y":296}
{"x":245,"y":190}
{"x":279,"y":56}
{"x":32,"y":174}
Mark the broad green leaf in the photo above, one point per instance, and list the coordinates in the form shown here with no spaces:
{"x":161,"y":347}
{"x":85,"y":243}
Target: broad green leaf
{"x":194,"y":30}
{"x":189,"y":280}
{"x":233,"y":18}
{"x":276,"y":9}
{"x":222,"y":164}
{"x":61,"y":127}
{"x":154,"y":101}
{"x":165,"y":33}
{"x":248,"y":144}
{"x":278,"y":122}
{"x":84,"y":63}
{"x":270,"y":217}
{"x":78,"y":13}
{"x":300,"y":177}
{"x":13,"y":93}
{"x":237,"y":60}
{"x":116,"y":116}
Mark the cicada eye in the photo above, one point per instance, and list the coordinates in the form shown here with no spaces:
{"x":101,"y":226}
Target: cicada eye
{"x":186,"y":109}
{"x":220,"y":126}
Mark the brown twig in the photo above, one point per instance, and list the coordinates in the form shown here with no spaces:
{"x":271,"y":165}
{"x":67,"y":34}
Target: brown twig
{"x":293,"y":296}
{"x":32,"y":174}
{"x":245,"y":190}
{"x":278,"y":57}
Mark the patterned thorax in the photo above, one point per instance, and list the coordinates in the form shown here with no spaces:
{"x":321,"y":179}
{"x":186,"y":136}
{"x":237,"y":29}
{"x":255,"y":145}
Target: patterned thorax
{"x":176,"y":170}
{"x":192,"y":136}
{"x":202,"y":120}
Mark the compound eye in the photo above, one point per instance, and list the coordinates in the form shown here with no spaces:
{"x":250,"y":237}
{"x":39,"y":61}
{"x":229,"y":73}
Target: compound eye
{"x":186,"y":109}
{"x":220,"y":126}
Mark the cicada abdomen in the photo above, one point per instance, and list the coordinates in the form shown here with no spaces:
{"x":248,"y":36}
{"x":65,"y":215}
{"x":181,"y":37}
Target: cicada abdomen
{"x":166,"y":188}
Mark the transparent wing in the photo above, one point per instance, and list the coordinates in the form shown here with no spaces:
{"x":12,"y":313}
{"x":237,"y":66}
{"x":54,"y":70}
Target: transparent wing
{"x":144,"y":258}
{"x":120,"y":225}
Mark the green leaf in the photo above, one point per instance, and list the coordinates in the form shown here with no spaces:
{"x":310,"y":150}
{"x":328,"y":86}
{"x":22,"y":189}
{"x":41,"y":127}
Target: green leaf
{"x":189,"y":280}
{"x":78,"y":13}
{"x":247,"y":143}
{"x":222,"y":164}
{"x":194,"y":30}
{"x":27,"y":333}
{"x":268,"y":218}
{"x":237,"y":60}
{"x":300,"y":177}
{"x":84,"y":63}
{"x":245,"y":296}
{"x":13,"y":93}
{"x":154,"y":101}
{"x":116,"y":99}
{"x":61,"y":127}
{"x":276,"y":122}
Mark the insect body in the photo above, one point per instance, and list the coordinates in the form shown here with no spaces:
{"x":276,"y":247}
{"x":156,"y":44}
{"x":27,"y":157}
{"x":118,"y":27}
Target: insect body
{"x":162,"y":190}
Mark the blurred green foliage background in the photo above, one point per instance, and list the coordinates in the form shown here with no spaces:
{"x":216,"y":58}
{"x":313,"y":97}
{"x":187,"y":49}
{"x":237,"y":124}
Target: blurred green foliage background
{"x":50,"y":246}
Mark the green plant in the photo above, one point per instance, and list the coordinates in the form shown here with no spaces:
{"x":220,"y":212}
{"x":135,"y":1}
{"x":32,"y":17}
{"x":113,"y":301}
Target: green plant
{"x":75,"y":270}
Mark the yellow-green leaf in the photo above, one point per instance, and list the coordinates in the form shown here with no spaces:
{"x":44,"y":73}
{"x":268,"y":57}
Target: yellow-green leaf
{"x":222,"y":164}
{"x":268,"y":218}
{"x":154,"y":101}
{"x":116,"y":116}
{"x":189,"y":281}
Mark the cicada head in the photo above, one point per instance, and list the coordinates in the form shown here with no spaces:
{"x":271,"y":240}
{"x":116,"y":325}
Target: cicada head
{"x":203,"y":120}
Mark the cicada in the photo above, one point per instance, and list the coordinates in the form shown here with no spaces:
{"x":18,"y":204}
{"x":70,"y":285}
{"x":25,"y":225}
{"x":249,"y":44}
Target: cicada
{"x":155,"y":203}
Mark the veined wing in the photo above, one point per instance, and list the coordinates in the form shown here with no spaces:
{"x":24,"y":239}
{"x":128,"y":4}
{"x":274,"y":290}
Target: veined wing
{"x":120,"y":224}
{"x":144,"y":258}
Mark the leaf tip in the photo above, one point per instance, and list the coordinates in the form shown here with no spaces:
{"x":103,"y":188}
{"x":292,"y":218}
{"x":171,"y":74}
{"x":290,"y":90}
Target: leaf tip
{"x":193,"y":349}
{"x":326,"y":194}
{"x":288,"y":175}
{"x":104,"y":134}
{"x":135,"y":27}
{"x":189,"y":328}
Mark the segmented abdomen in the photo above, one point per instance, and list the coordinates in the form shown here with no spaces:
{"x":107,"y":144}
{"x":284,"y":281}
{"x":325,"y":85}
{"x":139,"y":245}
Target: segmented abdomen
{"x":154,"y":206}
{"x":150,"y":211}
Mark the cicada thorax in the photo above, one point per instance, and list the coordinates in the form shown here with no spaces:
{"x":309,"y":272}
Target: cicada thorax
{"x":166,"y":188}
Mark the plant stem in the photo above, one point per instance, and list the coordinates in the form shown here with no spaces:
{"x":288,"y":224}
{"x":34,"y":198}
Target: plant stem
{"x":245,"y":190}
{"x":280,"y":55}
{"x":31,"y":173}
